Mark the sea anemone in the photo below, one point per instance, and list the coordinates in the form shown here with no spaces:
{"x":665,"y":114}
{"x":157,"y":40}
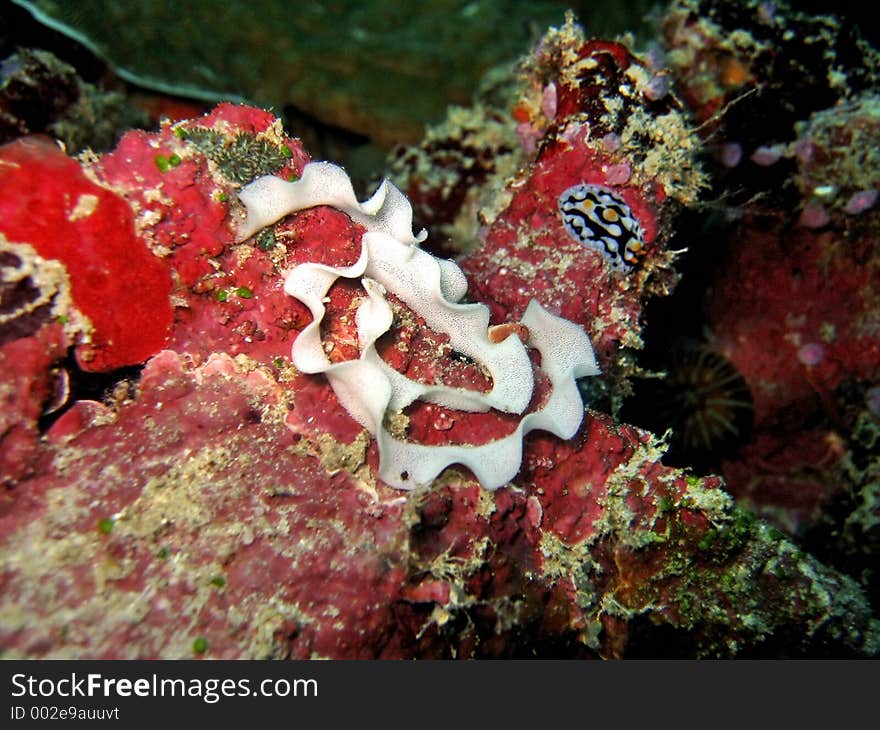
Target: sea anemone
{"x":701,"y":399}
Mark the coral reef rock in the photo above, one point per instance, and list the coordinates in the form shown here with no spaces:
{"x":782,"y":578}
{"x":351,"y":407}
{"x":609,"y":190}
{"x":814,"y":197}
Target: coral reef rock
{"x":212,"y":495}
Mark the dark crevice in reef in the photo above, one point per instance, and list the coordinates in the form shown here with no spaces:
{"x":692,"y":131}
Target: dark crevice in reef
{"x":73,"y":384}
{"x":702,"y":397}
{"x":19,"y":29}
{"x":362,"y":159}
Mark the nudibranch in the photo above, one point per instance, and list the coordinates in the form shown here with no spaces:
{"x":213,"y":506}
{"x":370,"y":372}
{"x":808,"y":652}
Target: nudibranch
{"x":367,"y":387}
{"x":598,"y":218}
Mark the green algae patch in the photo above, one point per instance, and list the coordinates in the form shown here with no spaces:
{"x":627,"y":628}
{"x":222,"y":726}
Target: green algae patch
{"x":240,"y":158}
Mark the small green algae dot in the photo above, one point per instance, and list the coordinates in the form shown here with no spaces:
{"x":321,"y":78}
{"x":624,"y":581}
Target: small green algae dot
{"x":218,"y":580}
{"x":166,"y":162}
{"x":200,"y":645}
{"x":179,"y":132}
{"x":244,"y":292}
{"x":286,"y":151}
{"x":266,"y":240}
{"x":105,"y":525}
{"x":162,"y":553}
{"x":62,"y":319}
{"x":279,"y":362}
{"x":222,"y":295}
{"x":222,"y":197}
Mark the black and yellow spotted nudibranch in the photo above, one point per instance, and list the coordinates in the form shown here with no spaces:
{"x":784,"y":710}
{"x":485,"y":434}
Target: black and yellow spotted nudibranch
{"x":594,"y":216}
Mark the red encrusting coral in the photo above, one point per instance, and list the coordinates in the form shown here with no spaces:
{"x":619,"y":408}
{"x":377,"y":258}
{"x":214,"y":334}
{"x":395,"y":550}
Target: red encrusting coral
{"x":602,"y":133}
{"x":776,"y":290}
{"x":47,"y":201}
{"x":528,"y":254}
{"x":24,"y":390}
{"x":172,"y":197}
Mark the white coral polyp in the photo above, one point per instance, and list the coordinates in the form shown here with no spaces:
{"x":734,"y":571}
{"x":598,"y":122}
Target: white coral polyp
{"x":369,"y":388}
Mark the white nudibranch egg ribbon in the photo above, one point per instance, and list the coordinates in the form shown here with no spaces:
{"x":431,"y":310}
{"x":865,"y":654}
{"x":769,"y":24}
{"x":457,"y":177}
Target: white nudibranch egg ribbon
{"x":368,"y":388}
